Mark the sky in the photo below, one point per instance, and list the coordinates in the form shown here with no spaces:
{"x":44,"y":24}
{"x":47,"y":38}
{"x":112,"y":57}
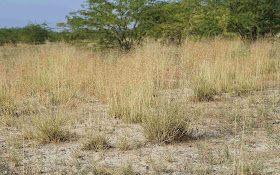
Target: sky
{"x":17,"y":13}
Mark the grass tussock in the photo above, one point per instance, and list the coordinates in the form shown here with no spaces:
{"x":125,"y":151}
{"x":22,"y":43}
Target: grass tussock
{"x":167,"y":123}
{"x":123,"y":144}
{"x":7,"y":104}
{"x":46,"y":128}
{"x":95,"y":142}
{"x":56,"y":74}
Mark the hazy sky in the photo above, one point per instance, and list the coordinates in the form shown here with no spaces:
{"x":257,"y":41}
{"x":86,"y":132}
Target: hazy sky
{"x":17,"y":13}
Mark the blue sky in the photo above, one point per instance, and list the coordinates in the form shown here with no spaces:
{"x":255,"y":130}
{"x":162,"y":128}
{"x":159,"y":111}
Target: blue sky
{"x":17,"y":13}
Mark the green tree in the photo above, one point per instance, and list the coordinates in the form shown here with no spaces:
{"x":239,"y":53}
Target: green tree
{"x":118,"y":21}
{"x":175,"y":20}
{"x":171,"y":21}
{"x":35,"y":33}
{"x":210,"y":18}
{"x":253,"y":19}
{"x":11,"y":35}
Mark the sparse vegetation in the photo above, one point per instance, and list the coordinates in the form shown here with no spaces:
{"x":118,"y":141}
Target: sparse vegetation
{"x":254,"y":168}
{"x":127,"y":170}
{"x":101,"y":170}
{"x":132,"y":87}
{"x":48,"y":128}
{"x":167,"y":124}
{"x":95,"y":142}
{"x":163,"y":89}
{"x":123,"y":144}
{"x":129,"y":83}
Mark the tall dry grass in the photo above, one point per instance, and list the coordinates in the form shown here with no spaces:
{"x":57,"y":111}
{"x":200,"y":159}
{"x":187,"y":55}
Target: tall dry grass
{"x":56,"y":74}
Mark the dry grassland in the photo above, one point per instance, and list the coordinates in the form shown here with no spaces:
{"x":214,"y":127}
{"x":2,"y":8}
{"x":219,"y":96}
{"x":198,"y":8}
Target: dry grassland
{"x":206,"y":107}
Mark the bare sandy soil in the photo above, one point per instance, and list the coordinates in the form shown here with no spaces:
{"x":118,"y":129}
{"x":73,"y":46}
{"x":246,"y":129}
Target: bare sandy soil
{"x":229,"y":135}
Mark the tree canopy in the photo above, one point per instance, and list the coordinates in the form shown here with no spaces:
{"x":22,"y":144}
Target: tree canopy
{"x":121,"y":21}
{"x":125,"y":23}
{"x":252,"y":19}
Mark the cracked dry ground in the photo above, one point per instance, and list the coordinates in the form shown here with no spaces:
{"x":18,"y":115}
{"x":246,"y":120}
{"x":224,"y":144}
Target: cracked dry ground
{"x":230,"y":135}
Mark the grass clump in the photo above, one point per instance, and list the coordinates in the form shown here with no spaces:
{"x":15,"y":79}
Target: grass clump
{"x":101,"y":170}
{"x":48,"y":128}
{"x":127,"y":170}
{"x":106,"y":170}
{"x":123,"y":144}
{"x":95,"y":142}
{"x":254,"y":168}
{"x":166,"y":123}
{"x":7,"y":104}
{"x":204,"y":89}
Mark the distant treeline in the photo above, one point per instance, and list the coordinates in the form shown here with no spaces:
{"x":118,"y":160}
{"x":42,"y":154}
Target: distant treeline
{"x":38,"y":34}
{"x":125,"y":23}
